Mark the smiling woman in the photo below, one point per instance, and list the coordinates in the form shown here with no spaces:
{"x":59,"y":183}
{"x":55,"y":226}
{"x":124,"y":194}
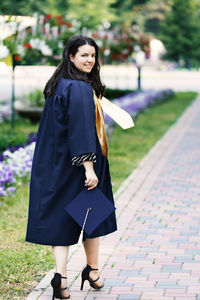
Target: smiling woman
{"x":84,"y":59}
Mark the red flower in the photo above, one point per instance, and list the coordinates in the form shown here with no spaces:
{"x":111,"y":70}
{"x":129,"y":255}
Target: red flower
{"x":123,"y":56}
{"x":105,"y":36}
{"x":95,"y":35}
{"x":115,"y":56}
{"x":69,"y":25}
{"x":17,"y":57}
{"x":48,"y":16}
{"x":28,"y":46}
{"x":59,"y":20}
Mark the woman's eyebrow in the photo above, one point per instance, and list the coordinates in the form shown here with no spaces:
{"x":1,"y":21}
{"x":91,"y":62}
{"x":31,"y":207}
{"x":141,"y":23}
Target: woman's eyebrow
{"x":88,"y":53}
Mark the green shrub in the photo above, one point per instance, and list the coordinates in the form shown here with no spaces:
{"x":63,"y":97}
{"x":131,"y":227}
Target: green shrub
{"x":11,"y":139}
{"x":115,"y":93}
{"x":35,"y":98}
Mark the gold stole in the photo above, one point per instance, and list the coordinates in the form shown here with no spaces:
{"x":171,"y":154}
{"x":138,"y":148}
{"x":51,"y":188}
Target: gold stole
{"x":100,"y":126}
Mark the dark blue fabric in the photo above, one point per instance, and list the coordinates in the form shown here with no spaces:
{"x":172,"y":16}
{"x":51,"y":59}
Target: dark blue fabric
{"x":67,"y":129}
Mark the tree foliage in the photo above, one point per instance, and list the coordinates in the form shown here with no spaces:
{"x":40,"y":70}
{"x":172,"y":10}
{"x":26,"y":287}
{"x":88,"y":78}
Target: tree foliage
{"x":153,"y":14}
{"x":128,"y":4}
{"x":91,"y":13}
{"x":24,"y":7}
{"x":128,"y":10}
{"x":181,"y":33}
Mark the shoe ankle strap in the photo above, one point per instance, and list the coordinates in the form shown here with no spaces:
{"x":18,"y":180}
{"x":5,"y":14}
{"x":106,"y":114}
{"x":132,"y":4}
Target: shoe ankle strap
{"x":94,"y":269}
{"x":62,"y":289}
{"x":91,"y":269}
{"x":60,"y":275}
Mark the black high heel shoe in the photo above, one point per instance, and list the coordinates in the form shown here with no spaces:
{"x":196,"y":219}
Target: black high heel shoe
{"x":56,"y":283}
{"x":85,"y":276}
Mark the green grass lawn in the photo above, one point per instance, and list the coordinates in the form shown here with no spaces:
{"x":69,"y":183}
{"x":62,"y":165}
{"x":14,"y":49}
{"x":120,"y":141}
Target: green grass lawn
{"x":16,"y":136}
{"x":23,"y":264}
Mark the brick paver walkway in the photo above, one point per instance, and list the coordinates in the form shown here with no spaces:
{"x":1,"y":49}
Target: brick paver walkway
{"x":155,"y":254}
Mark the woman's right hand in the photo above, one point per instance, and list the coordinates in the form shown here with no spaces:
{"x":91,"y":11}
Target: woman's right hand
{"x":91,"y":178}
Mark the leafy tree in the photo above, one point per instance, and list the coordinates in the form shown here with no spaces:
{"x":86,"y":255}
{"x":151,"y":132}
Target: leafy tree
{"x":24,"y":7}
{"x":128,"y":10}
{"x":181,"y":33}
{"x":153,"y":15}
{"x":128,"y":4}
{"x":91,"y":13}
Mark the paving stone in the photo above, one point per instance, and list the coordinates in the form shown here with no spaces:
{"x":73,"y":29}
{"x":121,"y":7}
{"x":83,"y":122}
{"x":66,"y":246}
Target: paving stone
{"x":190,"y":233}
{"x":121,"y":290}
{"x":137,"y":257}
{"x":129,"y":297}
{"x":166,"y":283}
{"x":186,"y":298}
{"x":186,"y":258}
{"x":171,"y":268}
{"x":179,"y":240}
{"x":193,"y":251}
{"x":129,"y":273}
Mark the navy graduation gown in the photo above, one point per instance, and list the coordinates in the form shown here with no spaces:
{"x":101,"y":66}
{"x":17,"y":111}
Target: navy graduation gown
{"x":67,"y":129}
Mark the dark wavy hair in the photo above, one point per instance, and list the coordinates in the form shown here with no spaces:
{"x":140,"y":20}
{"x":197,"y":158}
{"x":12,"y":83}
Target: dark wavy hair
{"x":67,"y":69}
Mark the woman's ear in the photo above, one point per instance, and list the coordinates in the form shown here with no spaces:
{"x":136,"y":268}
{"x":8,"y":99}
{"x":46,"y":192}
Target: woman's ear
{"x":71,"y":57}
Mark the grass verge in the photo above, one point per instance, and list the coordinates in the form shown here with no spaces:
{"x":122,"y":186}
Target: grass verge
{"x":17,"y":135}
{"x":22,"y":264}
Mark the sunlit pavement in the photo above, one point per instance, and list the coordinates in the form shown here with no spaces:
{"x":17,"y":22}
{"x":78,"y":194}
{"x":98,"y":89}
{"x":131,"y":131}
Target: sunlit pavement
{"x":125,"y":77}
{"x":155,"y":254}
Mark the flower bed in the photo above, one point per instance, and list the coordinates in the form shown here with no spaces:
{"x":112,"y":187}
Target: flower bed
{"x":134,"y":103}
{"x":16,"y":165}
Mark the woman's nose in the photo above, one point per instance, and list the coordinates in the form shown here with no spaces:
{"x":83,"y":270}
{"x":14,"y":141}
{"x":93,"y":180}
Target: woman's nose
{"x":90,"y":59}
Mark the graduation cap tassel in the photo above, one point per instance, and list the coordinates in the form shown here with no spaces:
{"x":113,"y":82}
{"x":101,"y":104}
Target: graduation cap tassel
{"x":84,"y":222}
{"x":88,"y":210}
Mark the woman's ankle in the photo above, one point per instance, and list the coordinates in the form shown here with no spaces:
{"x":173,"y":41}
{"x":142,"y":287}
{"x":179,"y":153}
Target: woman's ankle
{"x":93,"y":266}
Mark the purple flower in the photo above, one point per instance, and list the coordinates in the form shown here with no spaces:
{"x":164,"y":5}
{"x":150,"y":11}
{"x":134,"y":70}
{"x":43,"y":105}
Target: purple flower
{"x":11,"y":189}
{"x":2,"y":191}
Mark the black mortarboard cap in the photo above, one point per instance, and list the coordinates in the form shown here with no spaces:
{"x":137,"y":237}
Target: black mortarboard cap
{"x":89,"y":209}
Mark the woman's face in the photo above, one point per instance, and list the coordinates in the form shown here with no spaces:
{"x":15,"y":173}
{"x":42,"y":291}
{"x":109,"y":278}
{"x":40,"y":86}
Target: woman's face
{"x":84,"y":59}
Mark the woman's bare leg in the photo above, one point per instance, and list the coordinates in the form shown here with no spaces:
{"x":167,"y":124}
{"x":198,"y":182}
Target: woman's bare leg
{"x":91,"y":247}
{"x":60,"y":254}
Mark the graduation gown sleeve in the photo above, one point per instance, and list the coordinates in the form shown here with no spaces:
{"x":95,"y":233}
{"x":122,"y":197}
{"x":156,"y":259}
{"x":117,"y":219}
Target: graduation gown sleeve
{"x":81,"y":120}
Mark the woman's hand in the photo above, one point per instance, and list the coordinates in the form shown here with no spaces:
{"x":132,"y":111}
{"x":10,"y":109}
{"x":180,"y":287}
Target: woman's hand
{"x":91,"y":178}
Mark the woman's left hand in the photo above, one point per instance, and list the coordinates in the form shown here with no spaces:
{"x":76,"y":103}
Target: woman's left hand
{"x":91,"y":178}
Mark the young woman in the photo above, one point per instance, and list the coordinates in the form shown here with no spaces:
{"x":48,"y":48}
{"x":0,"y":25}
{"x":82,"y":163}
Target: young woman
{"x":71,"y":152}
